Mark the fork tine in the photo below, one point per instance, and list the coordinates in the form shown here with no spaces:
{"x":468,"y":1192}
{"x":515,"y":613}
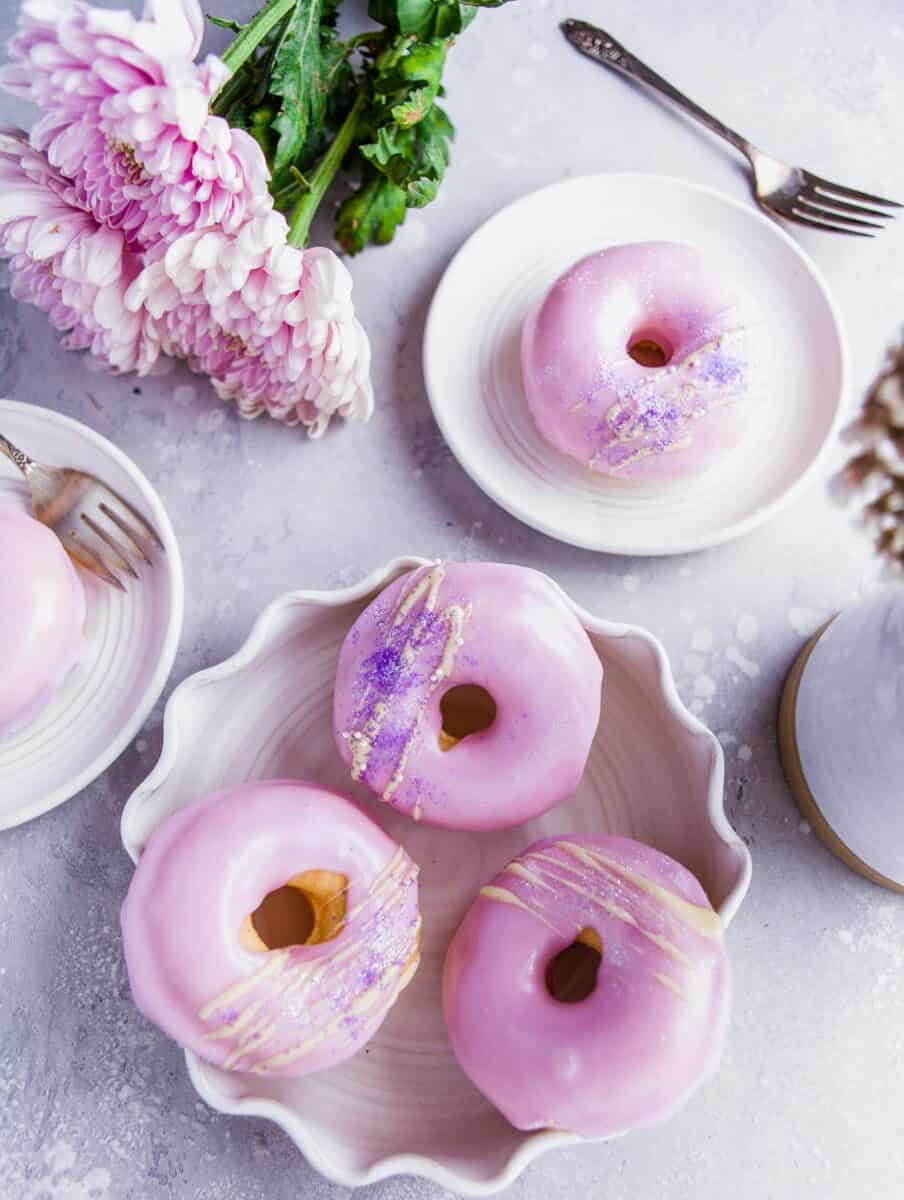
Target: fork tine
{"x":808,"y":209}
{"x":826,"y":185}
{"x":124,"y":527}
{"x":81,"y":553}
{"x":122,"y":554}
{"x":143,"y":522}
{"x":810,"y":193}
{"x":793,"y":215}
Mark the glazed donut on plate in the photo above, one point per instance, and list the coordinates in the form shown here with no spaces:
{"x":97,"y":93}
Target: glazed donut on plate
{"x":588,"y":988}
{"x":644,"y":361}
{"x":42,"y":617}
{"x":270,"y":927}
{"x":468,"y":695}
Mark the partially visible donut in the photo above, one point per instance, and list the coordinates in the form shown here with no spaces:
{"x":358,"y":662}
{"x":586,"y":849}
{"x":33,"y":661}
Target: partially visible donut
{"x":644,"y":361}
{"x":625,"y":1043}
{"x":468,"y":695}
{"x":42,"y":617}
{"x":270,"y":928}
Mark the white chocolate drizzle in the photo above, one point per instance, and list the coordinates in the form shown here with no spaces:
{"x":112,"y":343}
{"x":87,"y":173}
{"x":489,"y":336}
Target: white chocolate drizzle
{"x":667,"y":947}
{"x":668,"y":982}
{"x":523,"y":872}
{"x":321,"y":1010}
{"x":703,"y":920}
{"x":602,"y":880}
{"x":272,"y":967}
{"x":362,"y":740}
{"x":691,"y":395}
{"x":504,"y":896}
{"x":423,"y":590}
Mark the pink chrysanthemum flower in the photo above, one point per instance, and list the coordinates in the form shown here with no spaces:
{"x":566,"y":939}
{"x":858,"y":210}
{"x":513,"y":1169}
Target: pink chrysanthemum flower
{"x":273,"y":326}
{"x":67,"y":264}
{"x":205,"y":269}
{"x":125,"y":117}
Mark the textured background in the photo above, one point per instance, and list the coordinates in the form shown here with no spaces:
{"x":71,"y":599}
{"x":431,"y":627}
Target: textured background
{"x":94,"y":1103}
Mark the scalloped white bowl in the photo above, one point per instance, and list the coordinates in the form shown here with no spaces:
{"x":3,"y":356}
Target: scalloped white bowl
{"x":403,"y":1105}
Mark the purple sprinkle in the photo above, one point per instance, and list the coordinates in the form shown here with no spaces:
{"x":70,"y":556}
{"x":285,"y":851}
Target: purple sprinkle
{"x":383,"y":668}
{"x":369,"y":976}
{"x":722,"y":370}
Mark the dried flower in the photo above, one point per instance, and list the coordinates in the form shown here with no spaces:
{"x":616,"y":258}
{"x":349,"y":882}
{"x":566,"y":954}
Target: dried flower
{"x":879,"y":463}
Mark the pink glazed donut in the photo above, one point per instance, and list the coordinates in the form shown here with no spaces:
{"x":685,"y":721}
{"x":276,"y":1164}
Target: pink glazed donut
{"x":468,"y":695}
{"x":42,"y":617}
{"x":627,"y":1042}
{"x":270,"y":928}
{"x":644,"y":361}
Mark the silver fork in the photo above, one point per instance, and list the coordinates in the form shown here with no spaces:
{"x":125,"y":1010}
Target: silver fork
{"x":100,"y":531}
{"x":782,"y":190}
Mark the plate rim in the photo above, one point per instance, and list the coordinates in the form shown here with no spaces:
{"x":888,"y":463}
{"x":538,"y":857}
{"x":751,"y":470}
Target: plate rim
{"x":158,"y":680}
{"x":758,"y":516}
{"x":421,"y":1165}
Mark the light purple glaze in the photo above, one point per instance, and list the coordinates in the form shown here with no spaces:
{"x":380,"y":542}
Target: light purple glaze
{"x":42,"y":617}
{"x":287,"y":1012}
{"x":652,"y":1030}
{"x":591,"y":400}
{"x":507,"y":629}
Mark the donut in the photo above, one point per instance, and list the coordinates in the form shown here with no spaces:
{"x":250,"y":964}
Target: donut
{"x":270,"y":928}
{"x":467,"y":695}
{"x":588,"y":988}
{"x":42,"y":617}
{"x":644,"y":361}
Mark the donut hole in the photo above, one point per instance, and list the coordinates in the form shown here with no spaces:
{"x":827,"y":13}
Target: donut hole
{"x":571,"y":975}
{"x":649,"y":349}
{"x":465,"y":709}
{"x":306,"y":910}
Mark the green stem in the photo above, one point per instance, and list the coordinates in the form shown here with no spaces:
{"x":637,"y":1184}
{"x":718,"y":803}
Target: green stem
{"x":360,"y":39}
{"x":323,"y":175}
{"x":244,"y":44}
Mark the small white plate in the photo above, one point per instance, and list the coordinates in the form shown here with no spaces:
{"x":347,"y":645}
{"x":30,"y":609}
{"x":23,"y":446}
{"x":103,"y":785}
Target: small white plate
{"x":473,"y":373}
{"x":131,"y":637}
{"x":403,"y":1106}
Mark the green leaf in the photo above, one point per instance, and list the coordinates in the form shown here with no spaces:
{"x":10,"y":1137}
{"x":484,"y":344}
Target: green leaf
{"x":434,"y":134}
{"x":413,"y":158}
{"x":340,"y":90}
{"x":371,"y":214}
{"x":414,"y":107}
{"x":424,"y":18}
{"x":315,"y":104}
{"x":391,"y":152}
{"x":421,"y":192}
{"x":408,"y":78}
{"x":410,"y":164}
{"x":384,"y":12}
{"x":430,"y":18}
{"x":298,"y":79}
{"x":416,"y":16}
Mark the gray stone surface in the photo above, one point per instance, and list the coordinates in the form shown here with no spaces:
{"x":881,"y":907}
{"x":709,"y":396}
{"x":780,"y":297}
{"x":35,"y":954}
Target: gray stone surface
{"x":809,"y":1105}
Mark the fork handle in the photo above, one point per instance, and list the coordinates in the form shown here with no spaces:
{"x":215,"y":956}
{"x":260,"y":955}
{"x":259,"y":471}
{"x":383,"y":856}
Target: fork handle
{"x":15,"y":455}
{"x":604,"y":49}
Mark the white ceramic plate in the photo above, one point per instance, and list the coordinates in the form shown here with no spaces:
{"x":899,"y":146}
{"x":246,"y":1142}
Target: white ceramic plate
{"x":403,"y":1105}
{"x":131,"y":637}
{"x":473,"y":374}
